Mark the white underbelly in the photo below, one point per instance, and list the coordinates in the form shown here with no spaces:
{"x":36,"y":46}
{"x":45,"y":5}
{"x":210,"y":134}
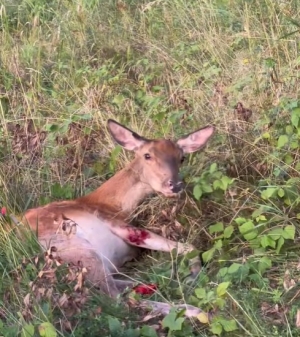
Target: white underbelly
{"x":94,"y":234}
{"x":112,"y":249}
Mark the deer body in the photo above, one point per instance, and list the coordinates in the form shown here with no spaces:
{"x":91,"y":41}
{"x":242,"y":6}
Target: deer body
{"x":94,"y":229}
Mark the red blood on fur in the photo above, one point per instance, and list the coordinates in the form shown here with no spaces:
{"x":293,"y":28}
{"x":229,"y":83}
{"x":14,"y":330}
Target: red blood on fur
{"x":3,"y":211}
{"x":145,"y":289}
{"x":137,"y":236}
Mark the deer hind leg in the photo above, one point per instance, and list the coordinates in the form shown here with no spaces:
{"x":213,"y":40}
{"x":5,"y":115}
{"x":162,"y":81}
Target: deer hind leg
{"x":146,"y":239}
{"x":165,"y":308}
{"x":74,"y":249}
{"x":122,"y":285}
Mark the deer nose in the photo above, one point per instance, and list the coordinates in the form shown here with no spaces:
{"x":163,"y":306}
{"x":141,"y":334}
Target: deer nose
{"x":176,"y":187}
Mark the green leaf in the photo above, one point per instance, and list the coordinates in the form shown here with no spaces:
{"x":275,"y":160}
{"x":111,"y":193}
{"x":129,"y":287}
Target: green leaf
{"x":190,"y":255}
{"x":213,"y":168}
{"x":260,"y":218}
{"x":115,"y":326}
{"x":220,"y":302}
{"x":295,"y":117}
{"x":217,"y":184}
{"x":218,"y":244}
{"x":27,"y":330}
{"x":229,"y":325}
{"x":255,"y":245}
{"x":289,"y":130}
{"x":289,"y":232}
{"x":208,"y":255}
{"x":210,"y":296}
{"x":294,"y":144}
{"x":282,"y":140}
{"x":280,"y":243}
{"x":269,"y":62}
{"x":280,"y":192}
{"x":46,"y":329}
{"x":268,"y":193}
{"x":288,"y":159}
{"x":223,"y":272}
{"x":206,"y":187}
{"x":228,"y":232}
{"x":222,"y":288}
{"x":197,"y":191}
{"x":148,"y":331}
{"x":275,"y":233}
{"x":234,"y":268}
{"x":266,"y":241}
{"x":257,"y":213}
{"x":131,"y":333}
{"x":216,"y":328}
{"x":240,"y":221}
{"x":200,"y":293}
{"x":226,"y":182}
{"x":248,"y":230}
{"x":52,"y":128}
{"x":266,"y":135}
{"x":218,"y":227}
{"x":172,"y":322}
{"x":287,"y":201}
{"x":80,"y":117}
{"x":264,"y":264}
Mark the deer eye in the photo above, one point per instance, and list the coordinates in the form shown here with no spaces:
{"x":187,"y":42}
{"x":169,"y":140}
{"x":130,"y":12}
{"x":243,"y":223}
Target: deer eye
{"x":147,"y":156}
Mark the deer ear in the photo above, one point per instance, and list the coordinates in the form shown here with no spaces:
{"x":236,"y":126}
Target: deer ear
{"x":124,"y":136}
{"x":195,"y":140}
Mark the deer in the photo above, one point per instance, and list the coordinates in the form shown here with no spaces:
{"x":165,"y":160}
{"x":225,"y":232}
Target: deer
{"x":95,"y":228}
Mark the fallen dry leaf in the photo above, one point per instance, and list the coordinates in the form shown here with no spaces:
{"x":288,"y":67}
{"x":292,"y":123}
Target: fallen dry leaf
{"x":66,"y":325}
{"x":98,"y":311}
{"x":203,"y":317}
{"x":62,"y":300}
{"x":288,"y":282}
{"x":298,"y":319}
{"x":274,"y":313}
{"x":27,"y":300}
{"x":243,"y":113}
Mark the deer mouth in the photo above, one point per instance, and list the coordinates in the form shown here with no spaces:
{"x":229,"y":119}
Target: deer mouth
{"x":170,"y":194}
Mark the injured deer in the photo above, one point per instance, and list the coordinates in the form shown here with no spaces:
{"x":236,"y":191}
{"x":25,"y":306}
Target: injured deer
{"x":94,"y":229}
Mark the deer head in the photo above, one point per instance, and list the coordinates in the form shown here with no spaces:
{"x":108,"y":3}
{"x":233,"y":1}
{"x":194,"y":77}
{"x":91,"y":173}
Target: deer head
{"x":157,"y":162}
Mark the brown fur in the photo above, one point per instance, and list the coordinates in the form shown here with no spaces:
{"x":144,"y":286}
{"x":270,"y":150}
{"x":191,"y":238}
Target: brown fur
{"x":94,"y":229}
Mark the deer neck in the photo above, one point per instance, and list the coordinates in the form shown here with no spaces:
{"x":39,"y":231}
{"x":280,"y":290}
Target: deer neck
{"x":122,"y":193}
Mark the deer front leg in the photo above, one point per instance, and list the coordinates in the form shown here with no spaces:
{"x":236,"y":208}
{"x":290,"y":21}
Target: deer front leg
{"x":146,"y":239}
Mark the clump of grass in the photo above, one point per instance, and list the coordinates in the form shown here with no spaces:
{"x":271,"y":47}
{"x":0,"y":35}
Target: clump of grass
{"x":163,"y":68}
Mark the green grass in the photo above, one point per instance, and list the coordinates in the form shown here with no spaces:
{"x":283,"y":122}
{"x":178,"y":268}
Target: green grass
{"x":164,"y":68}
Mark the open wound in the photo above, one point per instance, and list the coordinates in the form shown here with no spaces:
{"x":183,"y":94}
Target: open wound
{"x":137,"y":236}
